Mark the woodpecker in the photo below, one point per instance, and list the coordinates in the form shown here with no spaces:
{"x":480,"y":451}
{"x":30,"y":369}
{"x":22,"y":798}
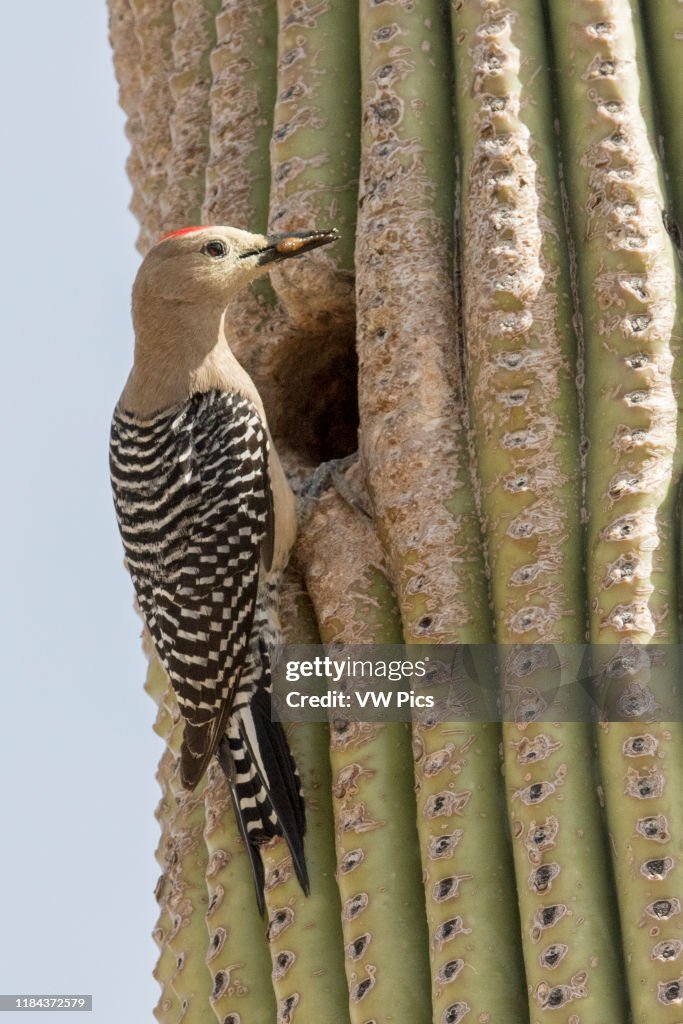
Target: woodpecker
{"x":208,"y":519}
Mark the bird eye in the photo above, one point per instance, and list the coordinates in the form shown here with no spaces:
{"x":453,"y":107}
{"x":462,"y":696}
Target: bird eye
{"x":215,"y":249}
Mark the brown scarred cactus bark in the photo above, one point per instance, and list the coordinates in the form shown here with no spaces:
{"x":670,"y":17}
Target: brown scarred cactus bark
{"x":126,"y":50}
{"x":194,"y":38}
{"x":153,"y":27}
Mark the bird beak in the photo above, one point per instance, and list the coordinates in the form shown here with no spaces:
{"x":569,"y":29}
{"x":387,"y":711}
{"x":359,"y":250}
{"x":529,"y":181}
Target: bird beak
{"x":282,"y":247}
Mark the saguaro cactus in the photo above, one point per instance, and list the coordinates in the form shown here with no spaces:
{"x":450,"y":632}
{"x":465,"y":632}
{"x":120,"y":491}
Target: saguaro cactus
{"x":498,"y":335}
{"x":632,"y":328}
{"x":521,"y":358}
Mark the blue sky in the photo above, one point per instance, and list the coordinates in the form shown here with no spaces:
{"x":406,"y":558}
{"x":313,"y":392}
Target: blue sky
{"x":77,"y":753}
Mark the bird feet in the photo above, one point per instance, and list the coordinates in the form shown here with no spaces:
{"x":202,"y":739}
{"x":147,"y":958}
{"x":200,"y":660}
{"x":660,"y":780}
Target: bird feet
{"x":332,"y":474}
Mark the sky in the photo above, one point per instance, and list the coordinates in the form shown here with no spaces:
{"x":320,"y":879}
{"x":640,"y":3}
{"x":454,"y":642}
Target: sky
{"x":77,"y":751}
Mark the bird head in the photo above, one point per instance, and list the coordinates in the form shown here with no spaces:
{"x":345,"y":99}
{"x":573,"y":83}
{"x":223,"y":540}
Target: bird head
{"x":208,"y":265}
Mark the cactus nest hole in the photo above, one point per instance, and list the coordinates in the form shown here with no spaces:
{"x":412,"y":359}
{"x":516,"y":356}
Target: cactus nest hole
{"x":318,"y":375}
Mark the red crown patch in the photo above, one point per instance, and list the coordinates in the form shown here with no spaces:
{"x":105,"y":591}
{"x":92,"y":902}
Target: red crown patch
{"x":184,"y":231}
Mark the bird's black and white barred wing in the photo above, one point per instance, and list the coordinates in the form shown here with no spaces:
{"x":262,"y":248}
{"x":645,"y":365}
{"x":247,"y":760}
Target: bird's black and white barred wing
{"x":194,"y":508}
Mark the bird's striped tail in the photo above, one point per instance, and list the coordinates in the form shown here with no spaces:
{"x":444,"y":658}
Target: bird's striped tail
{"x":265,"y":785}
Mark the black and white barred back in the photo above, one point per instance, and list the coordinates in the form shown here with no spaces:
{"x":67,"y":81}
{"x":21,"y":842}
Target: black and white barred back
{"x":194,"y":508}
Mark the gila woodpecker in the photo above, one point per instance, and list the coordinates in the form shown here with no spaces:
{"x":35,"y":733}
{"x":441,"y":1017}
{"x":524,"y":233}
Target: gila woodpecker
{"x":207,"y":519}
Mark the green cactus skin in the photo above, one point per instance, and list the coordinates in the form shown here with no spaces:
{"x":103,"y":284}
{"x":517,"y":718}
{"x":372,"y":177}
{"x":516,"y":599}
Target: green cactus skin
{"x":182,"y":890}
{"x":187,"y":902}
{"x":168,"y":1008}
{"x":468,"y":879}
{"x":206,"y":883}
{"x":414,"y":454}
{"x":520,"y":360}
{"x":378,"y":869}
{"x":238,"y":957}
{"x":627,"y":289}
{"x":241,"y":101}
{"x":305,"y":937}
{"x":314,"y":153}
{"x":193,"y":40}
{"x":627,"y":285}
{"x":305,"y":934}
{"x":407,"y":333}
{"x":663,"y":23}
